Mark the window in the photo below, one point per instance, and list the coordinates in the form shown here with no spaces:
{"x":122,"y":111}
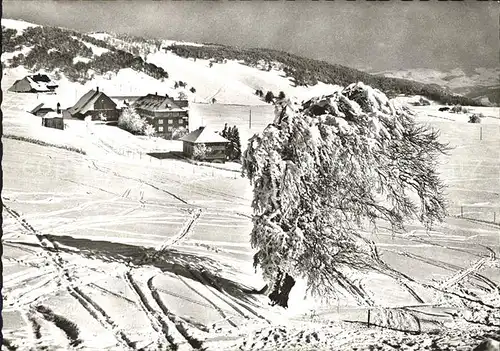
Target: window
{"x":169,"y":129}
{"x":170,"y":121}
{"x":160,"y":121}
{"x":160,"y":129}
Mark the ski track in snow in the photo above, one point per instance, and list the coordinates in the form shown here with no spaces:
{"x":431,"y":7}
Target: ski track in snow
{"x":63,"y":274}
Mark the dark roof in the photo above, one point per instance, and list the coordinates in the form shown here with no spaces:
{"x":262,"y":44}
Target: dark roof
{"x":41,"y":78}
{"x":86,"y":102}
{"x":153,"y":102}
{"x":36,"y":109}
{"x":204,"y":135}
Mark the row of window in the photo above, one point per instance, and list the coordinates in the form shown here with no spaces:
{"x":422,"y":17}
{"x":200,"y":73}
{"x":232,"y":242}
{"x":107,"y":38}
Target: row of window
{"x":161,"y":129}
{"x":169,"y":121}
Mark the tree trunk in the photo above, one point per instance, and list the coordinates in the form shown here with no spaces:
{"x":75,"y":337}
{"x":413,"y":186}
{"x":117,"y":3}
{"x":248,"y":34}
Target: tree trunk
{"x":282,"y":287}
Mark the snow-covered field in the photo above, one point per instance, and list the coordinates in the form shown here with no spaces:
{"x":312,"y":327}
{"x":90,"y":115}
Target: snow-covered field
{"x":107,"y":251}
{"x":116,"y":250}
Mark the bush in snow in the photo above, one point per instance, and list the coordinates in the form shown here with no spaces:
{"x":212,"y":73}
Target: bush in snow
{"x":321,"y":171}
{"x":475,"y":118}
{"x":421,"y":102}
{"x":269,"y":97}
{"x":459,"y":109}
{"x":179,"y":132}
{"x":130,"y":121}
{"x":149,"y":130}
{"x":201,"y":151}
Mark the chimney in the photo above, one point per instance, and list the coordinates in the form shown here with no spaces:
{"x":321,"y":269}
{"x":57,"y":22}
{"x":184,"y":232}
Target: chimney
{"x":156,"y":93}
{"x":97,"y":89}
{"x":58,"y":109}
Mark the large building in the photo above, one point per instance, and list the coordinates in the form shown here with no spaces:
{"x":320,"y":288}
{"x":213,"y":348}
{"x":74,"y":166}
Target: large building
{"x":95,"y":104}
{"x":215,"y":144}
{"x":165,"y":114}
{"x":37,"y":83}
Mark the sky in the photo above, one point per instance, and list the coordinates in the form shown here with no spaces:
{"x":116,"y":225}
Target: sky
{"x":374,"y":36}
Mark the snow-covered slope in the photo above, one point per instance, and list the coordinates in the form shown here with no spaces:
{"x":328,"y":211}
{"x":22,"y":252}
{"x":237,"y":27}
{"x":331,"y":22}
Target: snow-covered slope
{"x":18,"y":24}
{"x":229,"y":83}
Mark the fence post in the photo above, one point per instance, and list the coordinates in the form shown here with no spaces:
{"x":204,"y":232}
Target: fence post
{"x":494,"y":217}
{"x":368,"y":318}
{"x":462,"y":211}
{"x":480,"y":133}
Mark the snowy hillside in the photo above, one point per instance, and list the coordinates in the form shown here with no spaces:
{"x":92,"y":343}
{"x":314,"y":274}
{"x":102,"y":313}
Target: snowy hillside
{"x":206,"y":71}
{"x":230,"y":83}
{"x":18,"y":25}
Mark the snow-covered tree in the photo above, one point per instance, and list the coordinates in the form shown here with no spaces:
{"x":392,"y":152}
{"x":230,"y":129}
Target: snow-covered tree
{"x":131,"y":121}
{"x":232,"y":134}
{"x":179,"y":132}
{"x":149,"y":130}
{"x":326,"y":170}
{"x":201,"y":151}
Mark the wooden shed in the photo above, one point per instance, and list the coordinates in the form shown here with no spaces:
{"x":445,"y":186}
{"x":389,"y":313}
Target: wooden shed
{"x":53,"y":120}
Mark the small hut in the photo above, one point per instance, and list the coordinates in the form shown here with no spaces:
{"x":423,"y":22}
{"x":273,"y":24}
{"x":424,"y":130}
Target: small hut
{"x":215,"y":145}
{"x":53,"y":120}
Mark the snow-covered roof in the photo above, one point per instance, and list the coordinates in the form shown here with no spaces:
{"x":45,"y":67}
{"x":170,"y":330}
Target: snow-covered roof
{"x":205,"y":136}
{"x":39,"y":82}
{"x":52,"y":114}
{"x":157,"y":103}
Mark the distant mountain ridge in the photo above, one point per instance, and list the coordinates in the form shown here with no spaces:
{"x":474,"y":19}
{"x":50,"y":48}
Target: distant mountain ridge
{"x":478,"y":83}
{"x":82,"y":57}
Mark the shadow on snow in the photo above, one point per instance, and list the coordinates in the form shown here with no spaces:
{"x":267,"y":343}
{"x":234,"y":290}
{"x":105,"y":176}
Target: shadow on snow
{"x":188,"y":265}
